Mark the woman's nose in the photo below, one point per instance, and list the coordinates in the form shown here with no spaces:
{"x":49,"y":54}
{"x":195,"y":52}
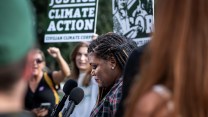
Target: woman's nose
{"x":82,"y":57}
{"x":93,"y":72}
{"x":34,"y":62}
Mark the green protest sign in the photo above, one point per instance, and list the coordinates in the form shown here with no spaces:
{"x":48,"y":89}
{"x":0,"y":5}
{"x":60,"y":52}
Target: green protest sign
{"x":71,"y":20}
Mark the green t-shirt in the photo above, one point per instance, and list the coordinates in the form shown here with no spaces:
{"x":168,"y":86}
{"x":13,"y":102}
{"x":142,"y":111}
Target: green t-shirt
{"x":18,"y":114}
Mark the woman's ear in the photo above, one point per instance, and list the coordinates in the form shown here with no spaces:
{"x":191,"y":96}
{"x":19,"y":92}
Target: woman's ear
{"x":113,"y":62}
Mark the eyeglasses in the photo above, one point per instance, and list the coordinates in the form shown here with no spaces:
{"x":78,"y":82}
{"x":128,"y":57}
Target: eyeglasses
{"x":38,"y":61}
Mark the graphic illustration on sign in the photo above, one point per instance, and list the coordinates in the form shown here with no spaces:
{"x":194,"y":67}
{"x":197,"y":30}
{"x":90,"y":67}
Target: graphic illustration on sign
{"x":133,"y":19}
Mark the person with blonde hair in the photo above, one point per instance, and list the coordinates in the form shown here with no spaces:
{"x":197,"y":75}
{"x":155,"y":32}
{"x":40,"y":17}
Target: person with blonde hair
{"x":42,"y":87}
{"x":173,"y":80}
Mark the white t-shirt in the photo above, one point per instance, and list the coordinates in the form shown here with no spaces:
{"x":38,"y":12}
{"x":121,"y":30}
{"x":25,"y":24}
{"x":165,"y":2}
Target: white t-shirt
{"x":84,"y":108}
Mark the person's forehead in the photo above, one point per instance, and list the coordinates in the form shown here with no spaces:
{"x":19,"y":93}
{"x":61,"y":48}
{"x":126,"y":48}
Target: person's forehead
{"x":93,"y":58}
{"x":37,"y":55}
{"x":82,"y":50}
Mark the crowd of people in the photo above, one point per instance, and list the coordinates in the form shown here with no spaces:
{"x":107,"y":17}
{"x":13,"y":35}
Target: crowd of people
{"x":165,"y":78}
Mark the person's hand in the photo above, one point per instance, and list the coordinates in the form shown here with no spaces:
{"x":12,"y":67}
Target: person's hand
{"x":54,"y":52}
{"x":40,"y":112}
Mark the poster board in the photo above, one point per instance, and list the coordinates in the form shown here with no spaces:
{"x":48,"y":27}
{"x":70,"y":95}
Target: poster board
{"x":134,"y":19}
{"x":71,"y":20}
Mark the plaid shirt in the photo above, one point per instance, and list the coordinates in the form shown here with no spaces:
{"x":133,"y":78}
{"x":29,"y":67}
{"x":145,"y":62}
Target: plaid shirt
{"x":109,"y":104}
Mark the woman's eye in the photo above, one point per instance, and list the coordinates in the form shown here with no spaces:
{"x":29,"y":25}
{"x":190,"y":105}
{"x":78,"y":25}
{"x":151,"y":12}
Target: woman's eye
{"x":79,"y":54}
{"x":94,"y":66}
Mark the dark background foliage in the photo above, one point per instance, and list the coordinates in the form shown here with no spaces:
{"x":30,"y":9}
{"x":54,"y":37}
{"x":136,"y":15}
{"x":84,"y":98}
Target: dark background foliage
{"x":104,"y":25}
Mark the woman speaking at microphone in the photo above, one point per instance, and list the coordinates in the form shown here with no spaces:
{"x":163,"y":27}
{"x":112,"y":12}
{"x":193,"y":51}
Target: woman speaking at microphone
{"x":108,"y":55}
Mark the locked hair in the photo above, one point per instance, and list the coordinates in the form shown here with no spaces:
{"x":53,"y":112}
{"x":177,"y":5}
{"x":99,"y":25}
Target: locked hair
{"x":112,"y":45}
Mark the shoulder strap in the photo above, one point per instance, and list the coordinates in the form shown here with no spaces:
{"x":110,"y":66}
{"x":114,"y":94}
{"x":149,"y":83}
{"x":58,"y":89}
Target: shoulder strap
{"x":50,"y":83}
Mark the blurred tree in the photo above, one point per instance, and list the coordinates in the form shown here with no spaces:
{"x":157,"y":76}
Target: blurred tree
{"x":104,"y":17}
{"x":104,"y":24}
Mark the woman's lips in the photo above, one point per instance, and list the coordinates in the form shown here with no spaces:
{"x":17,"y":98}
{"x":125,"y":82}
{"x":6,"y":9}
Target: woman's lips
{"x":34,"y":68}
{"x":97,"y":80}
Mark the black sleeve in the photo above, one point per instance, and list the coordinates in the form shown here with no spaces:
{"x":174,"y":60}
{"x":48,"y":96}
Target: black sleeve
{"x":131,"y":69}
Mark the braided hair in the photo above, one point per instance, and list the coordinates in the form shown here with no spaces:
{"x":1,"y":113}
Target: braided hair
{"x":112,"y":45}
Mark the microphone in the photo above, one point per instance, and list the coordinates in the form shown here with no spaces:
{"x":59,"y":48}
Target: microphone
{"x":75,"y":98}
{"x":68,"y":86}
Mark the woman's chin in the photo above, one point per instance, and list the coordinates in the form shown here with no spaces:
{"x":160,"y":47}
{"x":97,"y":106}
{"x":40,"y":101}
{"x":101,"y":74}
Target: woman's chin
{"x":99,"y":83}
{"x":34,"y":73}
{"x":83,"y":68}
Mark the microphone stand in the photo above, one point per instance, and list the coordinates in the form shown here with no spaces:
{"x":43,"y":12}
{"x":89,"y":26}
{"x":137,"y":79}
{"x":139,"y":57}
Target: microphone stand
{"x":53,"y":113}
{"x":65,"y":109}
{"x":68,"y":111}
